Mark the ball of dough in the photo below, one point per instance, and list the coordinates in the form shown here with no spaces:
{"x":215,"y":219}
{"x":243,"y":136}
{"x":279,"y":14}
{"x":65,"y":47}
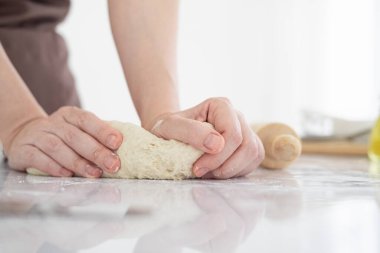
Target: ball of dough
{"x":145,"y":156}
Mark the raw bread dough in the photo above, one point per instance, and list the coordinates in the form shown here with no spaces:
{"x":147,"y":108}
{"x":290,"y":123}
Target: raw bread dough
{"x":145,"y":156}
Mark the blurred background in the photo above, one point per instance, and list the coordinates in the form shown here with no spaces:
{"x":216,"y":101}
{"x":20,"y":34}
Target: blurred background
{"x":275,"y":59}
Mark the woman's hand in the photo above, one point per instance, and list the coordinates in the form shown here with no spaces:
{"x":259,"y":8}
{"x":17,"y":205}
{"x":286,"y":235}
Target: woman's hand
{"x":232,"y":149}
{"x":70,"y":141}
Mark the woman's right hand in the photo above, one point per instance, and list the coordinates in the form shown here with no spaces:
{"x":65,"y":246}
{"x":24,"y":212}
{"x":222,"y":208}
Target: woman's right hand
{"x":69,"y":141}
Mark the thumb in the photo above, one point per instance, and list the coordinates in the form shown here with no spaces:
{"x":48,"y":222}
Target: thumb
{"x":200,"y":135}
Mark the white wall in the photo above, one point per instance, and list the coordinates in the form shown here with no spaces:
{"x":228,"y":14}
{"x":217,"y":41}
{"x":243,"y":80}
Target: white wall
{"x":273,"y":58}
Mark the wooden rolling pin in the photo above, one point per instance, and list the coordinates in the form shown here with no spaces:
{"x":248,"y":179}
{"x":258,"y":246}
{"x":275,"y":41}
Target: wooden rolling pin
{"x":281,"y":143}
{"x":334,"y":147}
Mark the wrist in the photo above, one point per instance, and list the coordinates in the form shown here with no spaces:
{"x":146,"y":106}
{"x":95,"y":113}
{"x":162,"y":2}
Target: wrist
{"x":15,"y":125}
{"x":18,"y":106}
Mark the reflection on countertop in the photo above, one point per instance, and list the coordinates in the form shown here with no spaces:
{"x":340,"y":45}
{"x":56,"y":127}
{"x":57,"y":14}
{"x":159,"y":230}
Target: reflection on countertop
{"x":321,"y":204}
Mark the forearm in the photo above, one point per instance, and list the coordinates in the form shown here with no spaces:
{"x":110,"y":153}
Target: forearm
{"x":17,"y":104}
{"x":145,"y":34}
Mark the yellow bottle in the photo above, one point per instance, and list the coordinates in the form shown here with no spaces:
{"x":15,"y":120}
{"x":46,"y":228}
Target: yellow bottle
{"x":374,"y":146}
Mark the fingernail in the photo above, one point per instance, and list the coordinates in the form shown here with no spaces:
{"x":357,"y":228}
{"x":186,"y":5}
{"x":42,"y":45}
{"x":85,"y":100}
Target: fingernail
{"x":111,"y":141}
{"x":92,"y":171}
{"x":112,"y":163}
{"x":66,"y":173}
{"x":213,"y":142}
{"x":200,"y":171}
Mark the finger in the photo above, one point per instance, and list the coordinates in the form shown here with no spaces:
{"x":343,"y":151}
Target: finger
{"x":54,"y":147}
{"x":250,"y":152}
{"x":195,"y":133}
{"x":224,"y":118}
{"x":32,"y":157}
{"x":232,"y":166}
{"x":88,"y":147}
{"x":249,"y":169}
{"x":208,"y":175}
{"x":92,"y":125}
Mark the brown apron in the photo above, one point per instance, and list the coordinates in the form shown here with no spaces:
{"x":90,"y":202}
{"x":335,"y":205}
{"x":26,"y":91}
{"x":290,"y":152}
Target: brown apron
{"x":27,"y":33}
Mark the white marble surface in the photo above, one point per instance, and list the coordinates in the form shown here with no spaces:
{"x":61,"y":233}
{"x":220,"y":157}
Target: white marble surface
{"x":320,"y":204}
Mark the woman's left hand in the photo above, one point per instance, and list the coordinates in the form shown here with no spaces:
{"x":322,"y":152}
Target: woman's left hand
{"x":231,"y":149}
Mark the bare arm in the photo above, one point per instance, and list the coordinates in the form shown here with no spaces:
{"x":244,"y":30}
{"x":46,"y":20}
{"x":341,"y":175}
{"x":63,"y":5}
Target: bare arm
{"x":145,"y":35}
{"x":18,"y":105}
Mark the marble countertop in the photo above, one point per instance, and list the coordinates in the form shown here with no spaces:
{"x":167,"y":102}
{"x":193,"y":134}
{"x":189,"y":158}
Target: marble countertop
{"x":320,"y":204}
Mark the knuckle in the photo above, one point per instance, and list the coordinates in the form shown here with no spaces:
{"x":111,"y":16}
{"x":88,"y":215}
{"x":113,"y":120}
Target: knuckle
{"x":224,"y":173}
{"x":255,"y":150}
{"x":61,"y":110}
{"x":78,"y":164}
{"x":50,"y":167}
{"x":75,"y":115}
{"x":251,"y":147}
{"x":236,"y":138}
{"x":103,"y":131}
{"x":51,"y":144}
{"x":69,"y":136}
{"x":209,"y":100}
{"x":240,"y":115}
{"x":82,"y":118}
{"x":214,"y":163}
{"x":66,"y":109}
{"x":97,"y":154}
{"x":224,"y":100}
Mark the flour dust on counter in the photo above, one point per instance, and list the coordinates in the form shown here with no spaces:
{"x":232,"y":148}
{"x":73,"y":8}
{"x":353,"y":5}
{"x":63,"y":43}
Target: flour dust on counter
{"x":319,"y":204}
